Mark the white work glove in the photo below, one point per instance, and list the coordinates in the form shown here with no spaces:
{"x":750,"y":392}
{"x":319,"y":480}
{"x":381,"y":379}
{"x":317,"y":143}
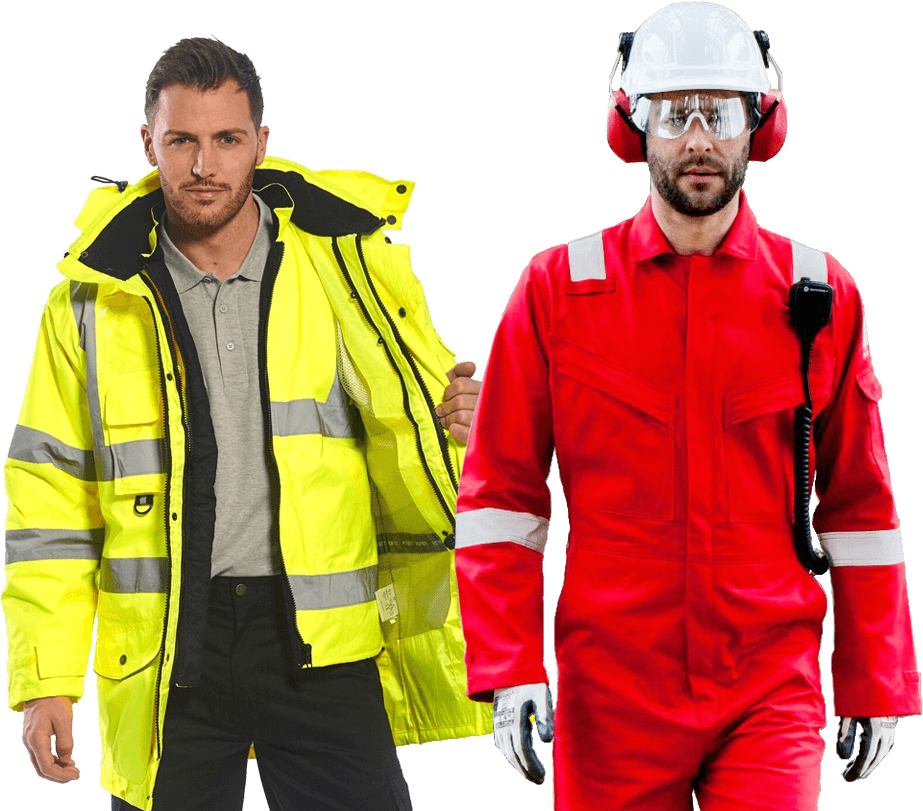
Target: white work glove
{"x":875,"y":742}
{"x":513,"y":727}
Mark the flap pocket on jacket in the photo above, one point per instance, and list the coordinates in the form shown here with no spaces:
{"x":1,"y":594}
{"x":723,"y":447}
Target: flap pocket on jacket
{"x":122,"y":651}
{"x":602,"y":375}
{"x":54,"y":663}
{"x":131,"y":410}
{"x":130,"y":399}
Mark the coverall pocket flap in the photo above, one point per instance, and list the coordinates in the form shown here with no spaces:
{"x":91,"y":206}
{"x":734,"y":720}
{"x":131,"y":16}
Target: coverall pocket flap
{"x":778,"y":394}
{"x":601,"y":374}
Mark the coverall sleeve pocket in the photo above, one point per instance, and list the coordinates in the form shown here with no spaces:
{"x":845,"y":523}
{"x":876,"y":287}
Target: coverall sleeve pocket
{"x":871,"y":390}
{"x":604,"y":413}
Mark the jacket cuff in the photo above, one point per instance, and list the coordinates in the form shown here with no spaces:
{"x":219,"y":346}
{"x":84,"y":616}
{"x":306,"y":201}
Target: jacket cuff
{"x":28,"y":679}
{"x":481,"y":686}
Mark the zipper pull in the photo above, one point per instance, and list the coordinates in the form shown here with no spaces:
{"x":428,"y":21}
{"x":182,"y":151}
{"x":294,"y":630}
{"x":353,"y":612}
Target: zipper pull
{"x":121,"y":185}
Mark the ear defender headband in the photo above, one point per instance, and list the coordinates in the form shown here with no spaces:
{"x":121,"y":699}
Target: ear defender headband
{"x":630,"y":144}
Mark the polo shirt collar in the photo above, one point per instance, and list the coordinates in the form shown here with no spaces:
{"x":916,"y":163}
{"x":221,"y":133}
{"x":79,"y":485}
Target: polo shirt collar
{"x":647,"y":240}
{"x":186,"y":275}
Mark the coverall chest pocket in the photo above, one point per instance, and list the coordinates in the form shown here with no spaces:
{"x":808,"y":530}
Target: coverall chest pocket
{"x":614,"y":433}
{"x":759,"y":446}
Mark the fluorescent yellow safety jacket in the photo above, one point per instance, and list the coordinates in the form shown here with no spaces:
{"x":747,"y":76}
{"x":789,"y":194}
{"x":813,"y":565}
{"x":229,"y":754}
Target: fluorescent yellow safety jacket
{"x":111,"y":470}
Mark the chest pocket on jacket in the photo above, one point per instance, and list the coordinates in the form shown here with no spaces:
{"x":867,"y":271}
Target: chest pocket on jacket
{"x":133,"y":431}
{"x":759,"y":446}
{"x":614,"y":433}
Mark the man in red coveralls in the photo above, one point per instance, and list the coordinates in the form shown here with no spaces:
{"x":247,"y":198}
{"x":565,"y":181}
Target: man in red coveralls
{"x":660,"y":358}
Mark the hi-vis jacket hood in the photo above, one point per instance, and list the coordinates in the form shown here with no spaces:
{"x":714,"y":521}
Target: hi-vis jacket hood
{"x":111,"y":470}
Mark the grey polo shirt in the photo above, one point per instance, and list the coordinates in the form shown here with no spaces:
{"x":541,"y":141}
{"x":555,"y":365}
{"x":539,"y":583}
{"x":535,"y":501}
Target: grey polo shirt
{"x":224,"y":320}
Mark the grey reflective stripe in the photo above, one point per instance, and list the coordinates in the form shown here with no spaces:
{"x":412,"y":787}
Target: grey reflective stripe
{"x":405,"y":542}
{"x":335,"y":418}
{"x":880,"y":547}
{"x":315,"y":592}
{"x":131,"y":459}
{"x":808,"y":262}
{"x":133,"y":575}
{"x":53,"y":544}
{"x":586,"y":258}
{"x":83,"y":302}
{"x":30,"y":445}
{"x":124,"y":458}
{"x":491,"y":525}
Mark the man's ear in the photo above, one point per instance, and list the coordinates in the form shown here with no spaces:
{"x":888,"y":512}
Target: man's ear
{"x":262,"y":136}
{"x":148,"y":138}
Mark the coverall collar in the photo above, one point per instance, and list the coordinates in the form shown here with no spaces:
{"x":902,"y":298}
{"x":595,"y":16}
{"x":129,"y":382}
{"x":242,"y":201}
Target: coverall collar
{"x":647,"y":240}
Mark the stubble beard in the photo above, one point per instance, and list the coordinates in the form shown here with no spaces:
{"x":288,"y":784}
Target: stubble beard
{"x":665,"y":177}
{"x":200,"y":220}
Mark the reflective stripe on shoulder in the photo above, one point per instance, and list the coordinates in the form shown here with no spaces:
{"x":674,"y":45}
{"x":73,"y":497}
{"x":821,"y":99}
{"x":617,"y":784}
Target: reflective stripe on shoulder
{"x":490,"y":525}
{"x":868,"y":548}
{"x":808,"y":262}
{"x":586,"y":258}
{"x":133,"y":458}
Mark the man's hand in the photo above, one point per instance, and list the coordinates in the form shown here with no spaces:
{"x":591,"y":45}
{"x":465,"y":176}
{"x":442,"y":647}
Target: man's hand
{"x":42,"y":718}
{"x":876,"y":741}
{"x":513,"y":727}
{"x":461,"y":396}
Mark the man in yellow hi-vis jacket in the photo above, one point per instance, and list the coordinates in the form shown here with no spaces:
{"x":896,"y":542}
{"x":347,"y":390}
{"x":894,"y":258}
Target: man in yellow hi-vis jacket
{"x":231,"y":451}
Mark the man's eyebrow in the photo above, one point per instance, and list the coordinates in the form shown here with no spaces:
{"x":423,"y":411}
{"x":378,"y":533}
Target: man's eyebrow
{"x":221,"y":134}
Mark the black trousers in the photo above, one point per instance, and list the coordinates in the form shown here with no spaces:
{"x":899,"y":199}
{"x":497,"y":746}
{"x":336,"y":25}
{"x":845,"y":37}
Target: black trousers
{"x":322,"y":736}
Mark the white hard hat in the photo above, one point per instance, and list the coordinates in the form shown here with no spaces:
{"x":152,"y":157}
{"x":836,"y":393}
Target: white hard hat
{"x":694,"y":46}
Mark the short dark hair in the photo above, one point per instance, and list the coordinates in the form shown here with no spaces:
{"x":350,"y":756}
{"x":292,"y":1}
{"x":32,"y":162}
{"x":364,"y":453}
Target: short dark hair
{"x":205,"y":64}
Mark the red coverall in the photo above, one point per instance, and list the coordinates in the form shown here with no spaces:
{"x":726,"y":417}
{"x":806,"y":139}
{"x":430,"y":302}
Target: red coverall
{"x":687,"y":633}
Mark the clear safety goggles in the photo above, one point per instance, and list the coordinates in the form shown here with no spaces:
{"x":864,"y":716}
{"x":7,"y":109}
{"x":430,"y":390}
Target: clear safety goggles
{"x":725,"y":118}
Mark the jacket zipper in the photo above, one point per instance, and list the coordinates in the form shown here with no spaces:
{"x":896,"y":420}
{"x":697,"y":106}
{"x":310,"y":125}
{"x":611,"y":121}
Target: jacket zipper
{"x":168,"y":464}
{"x":406,"y":396}
{"x":276,"y":486}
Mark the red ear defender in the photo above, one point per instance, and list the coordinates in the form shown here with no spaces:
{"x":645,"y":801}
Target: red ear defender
{"x":626,"y":140}
{"x":769,"y":137}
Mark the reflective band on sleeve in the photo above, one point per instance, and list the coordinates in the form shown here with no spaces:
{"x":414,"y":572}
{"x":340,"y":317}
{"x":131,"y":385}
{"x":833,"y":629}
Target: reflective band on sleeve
{"x":336,"y":418}
{"x":869,"y":548}
{"x":491,"y":525}
{"x":53,"y":544}
{"x":808,"y":262}
{"x":30,"y":445}
{"x":315,"y":592}
{"x":133,"y":575}
{"x":586,"y":258}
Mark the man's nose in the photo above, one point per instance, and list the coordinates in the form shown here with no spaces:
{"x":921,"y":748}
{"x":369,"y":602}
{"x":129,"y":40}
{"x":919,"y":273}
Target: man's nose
{"x":205,"y":165}
{"x":698,"y":138}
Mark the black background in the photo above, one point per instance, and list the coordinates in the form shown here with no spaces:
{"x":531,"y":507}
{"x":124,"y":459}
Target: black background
{"x":502,"y":127}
